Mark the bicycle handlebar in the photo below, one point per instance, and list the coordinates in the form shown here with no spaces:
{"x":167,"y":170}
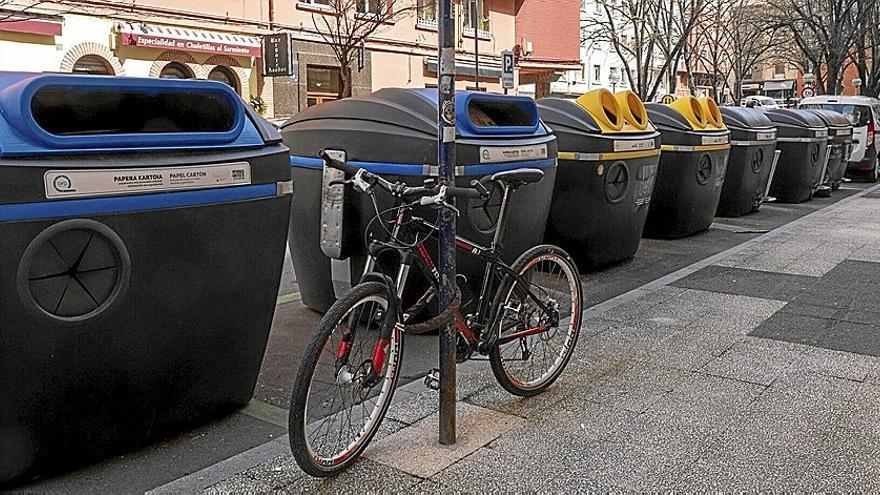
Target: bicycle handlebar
{"x":399,"y":188}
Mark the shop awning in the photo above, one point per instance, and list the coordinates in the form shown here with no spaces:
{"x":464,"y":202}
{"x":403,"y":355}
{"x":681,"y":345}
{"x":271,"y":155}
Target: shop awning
{"x":188,"y":40}
{"x":41,"y":27}
{"x":466,"y":68}
{"x":778,"y":85}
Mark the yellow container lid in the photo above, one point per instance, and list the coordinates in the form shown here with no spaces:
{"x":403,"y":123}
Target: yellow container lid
{"x":712,"y":112}
{"x":635,"y":117}
{"x":692,"y":110}
{"x":604,"y":108}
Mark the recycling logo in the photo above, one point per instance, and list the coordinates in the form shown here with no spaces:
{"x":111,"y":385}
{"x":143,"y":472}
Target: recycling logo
{"x":704,"y":169}
{"x":757,"y":160}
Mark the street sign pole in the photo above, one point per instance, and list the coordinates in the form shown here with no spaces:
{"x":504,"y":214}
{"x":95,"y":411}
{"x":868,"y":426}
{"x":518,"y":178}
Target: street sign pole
{"x":446,"y":176}
{"x":507,"y":65}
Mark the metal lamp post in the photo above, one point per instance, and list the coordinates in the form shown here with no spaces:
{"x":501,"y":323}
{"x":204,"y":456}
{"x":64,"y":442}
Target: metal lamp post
{"x":446,"y":223}
{"x":613,"y":78}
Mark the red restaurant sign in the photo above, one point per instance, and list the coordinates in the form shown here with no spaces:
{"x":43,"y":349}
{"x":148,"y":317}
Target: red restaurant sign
{"x":169,"y":43}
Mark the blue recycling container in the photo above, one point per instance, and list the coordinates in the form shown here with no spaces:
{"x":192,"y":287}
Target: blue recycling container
{"x":394,"y":132}
{"x":143,"y":226}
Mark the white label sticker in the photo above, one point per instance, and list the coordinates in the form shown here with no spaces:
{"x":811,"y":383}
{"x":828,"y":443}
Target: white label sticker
{"x":843,"y":132}
{"x":714,"y":139}
{"x":106,"y":182}
{"x":641,"y":144}
{"x":766,"y":136}
{"x":512,"y":153}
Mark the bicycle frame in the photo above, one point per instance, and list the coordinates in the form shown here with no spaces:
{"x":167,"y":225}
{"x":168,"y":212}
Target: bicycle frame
{"x":499,"y":278}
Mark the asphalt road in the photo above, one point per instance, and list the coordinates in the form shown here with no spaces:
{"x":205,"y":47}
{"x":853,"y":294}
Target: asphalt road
{"x":162,"y":462}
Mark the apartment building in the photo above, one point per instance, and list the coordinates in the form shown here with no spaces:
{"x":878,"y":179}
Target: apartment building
{"x":780,"y":80}
{"x":221,"y":40}
{"x":547,"y":43}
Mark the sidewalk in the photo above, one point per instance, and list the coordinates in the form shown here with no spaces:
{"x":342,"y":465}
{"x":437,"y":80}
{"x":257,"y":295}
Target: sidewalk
{"x":756,"y":369}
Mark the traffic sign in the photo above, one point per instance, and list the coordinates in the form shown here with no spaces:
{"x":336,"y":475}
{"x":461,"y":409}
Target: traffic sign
{"x":807,"y":92}
{"x":667,"y":99}
{"x":507,"y":65}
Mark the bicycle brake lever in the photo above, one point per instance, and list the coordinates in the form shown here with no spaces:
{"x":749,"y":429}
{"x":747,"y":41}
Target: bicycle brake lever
{"x":339,"y":182}
{"x":447,"y":205}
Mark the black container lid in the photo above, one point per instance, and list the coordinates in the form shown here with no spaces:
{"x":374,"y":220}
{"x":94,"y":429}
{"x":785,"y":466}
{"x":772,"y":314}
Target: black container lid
{"x":665,"y":118}
{"x":794,"y":118}
{"x":830,"y":117}
{"x":567,"y":116}
{"x":741,"y":118}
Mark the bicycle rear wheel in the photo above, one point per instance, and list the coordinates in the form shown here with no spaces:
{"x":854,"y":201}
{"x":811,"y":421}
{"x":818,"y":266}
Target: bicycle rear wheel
{"x":534,"y":345}
{"x":345,"y":382}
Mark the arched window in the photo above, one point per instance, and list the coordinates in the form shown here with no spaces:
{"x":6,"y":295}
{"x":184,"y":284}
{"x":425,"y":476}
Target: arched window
{"x":225,"y":75}
{"x":176,"y":70}
{"x":95,"y":65}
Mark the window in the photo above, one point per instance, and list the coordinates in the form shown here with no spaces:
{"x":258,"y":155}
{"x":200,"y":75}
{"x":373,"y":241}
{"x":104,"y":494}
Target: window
{"x":323,"y":84}
{"x":426,"y":12}
{"x":176,"y":70}
{"x":316,"y":3}
{"x":94,"y":65}
{"x":225,"y":75}
{"x":371,"y":7}
{"x":480,"y":20}
{"x":779,"y":70}
{"x":597,"y":73}
{"x":597,"y":7}
{"x":755,"y":74}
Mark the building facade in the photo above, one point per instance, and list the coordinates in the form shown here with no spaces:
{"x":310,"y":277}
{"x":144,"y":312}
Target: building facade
{"x":547,"y":43}
{"x":221,"y":40}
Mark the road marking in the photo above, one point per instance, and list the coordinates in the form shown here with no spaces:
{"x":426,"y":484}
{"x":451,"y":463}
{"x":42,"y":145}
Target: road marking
{"x":266,"y":412}
{"x":287,"y":298}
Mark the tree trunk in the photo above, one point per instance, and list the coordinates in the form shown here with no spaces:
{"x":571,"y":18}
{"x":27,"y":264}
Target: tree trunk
{"x":347,"y":83}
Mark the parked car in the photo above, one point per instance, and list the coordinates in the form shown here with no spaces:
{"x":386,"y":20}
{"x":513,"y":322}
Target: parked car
{"x":758,"y":101}
{"x":863,"y":112}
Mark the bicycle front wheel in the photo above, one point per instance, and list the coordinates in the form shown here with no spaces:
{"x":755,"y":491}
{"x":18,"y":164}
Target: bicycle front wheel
{"x":535,"y":343}
{"x":345,"y":382}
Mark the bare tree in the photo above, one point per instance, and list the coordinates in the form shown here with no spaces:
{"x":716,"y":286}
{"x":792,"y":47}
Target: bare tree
{"x":710,"y":48}
{"x":649,"y":37}
{"x":826,"y":32}
{"x":867,"y":49}
{"x":753,"y":38}
{"x":347,"y":25}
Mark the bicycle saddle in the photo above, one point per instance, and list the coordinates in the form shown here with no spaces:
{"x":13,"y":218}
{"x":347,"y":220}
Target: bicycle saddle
{"x":518,"y":177}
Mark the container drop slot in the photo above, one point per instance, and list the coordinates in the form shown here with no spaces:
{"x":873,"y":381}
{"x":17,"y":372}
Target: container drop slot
{"x":69,"y":110}
{"x":488,"y":113}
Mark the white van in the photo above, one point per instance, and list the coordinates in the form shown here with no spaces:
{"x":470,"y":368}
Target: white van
{"x":864,"y":113}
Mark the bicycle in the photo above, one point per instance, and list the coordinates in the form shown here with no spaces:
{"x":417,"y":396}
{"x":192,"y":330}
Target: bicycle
{"x":525,"y":311}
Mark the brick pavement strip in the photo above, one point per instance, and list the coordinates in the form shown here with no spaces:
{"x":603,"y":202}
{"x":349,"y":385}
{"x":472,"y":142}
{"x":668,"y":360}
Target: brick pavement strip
{"x":668,"y":390}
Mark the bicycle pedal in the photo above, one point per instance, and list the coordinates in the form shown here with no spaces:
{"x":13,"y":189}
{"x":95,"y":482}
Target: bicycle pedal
{"x":432,"y":379}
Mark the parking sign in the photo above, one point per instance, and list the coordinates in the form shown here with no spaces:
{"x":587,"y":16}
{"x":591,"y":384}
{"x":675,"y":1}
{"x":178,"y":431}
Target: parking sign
{"x":507,"y":63}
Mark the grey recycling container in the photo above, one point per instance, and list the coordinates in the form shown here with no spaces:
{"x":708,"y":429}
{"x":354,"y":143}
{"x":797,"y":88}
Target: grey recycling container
{"x":143,"y":225}
{"x":693,"y":162}
{"x":802,"y":138}
{"x":840,"y":136}
{"x":608,"y":158}
{"x":753,"y":145}
{"x":393,"y":132}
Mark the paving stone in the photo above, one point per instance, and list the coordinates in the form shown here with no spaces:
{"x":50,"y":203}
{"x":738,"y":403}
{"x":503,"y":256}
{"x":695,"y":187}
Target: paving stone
{"x":755,"y":283}
{"x":838,"y":364}
{"x":415,"y":450}
{"x":490,"y":471}
{"x":494,"y":397}
{"x":574,"y":425}
{"x":365,"y":476}
{"x":774,"y":443}
{"x":635,"y":386}
{"x":755,"y":360}
{"x":794,"y":328}
{"x":239,"y":483}
{"x":706,"y":405}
